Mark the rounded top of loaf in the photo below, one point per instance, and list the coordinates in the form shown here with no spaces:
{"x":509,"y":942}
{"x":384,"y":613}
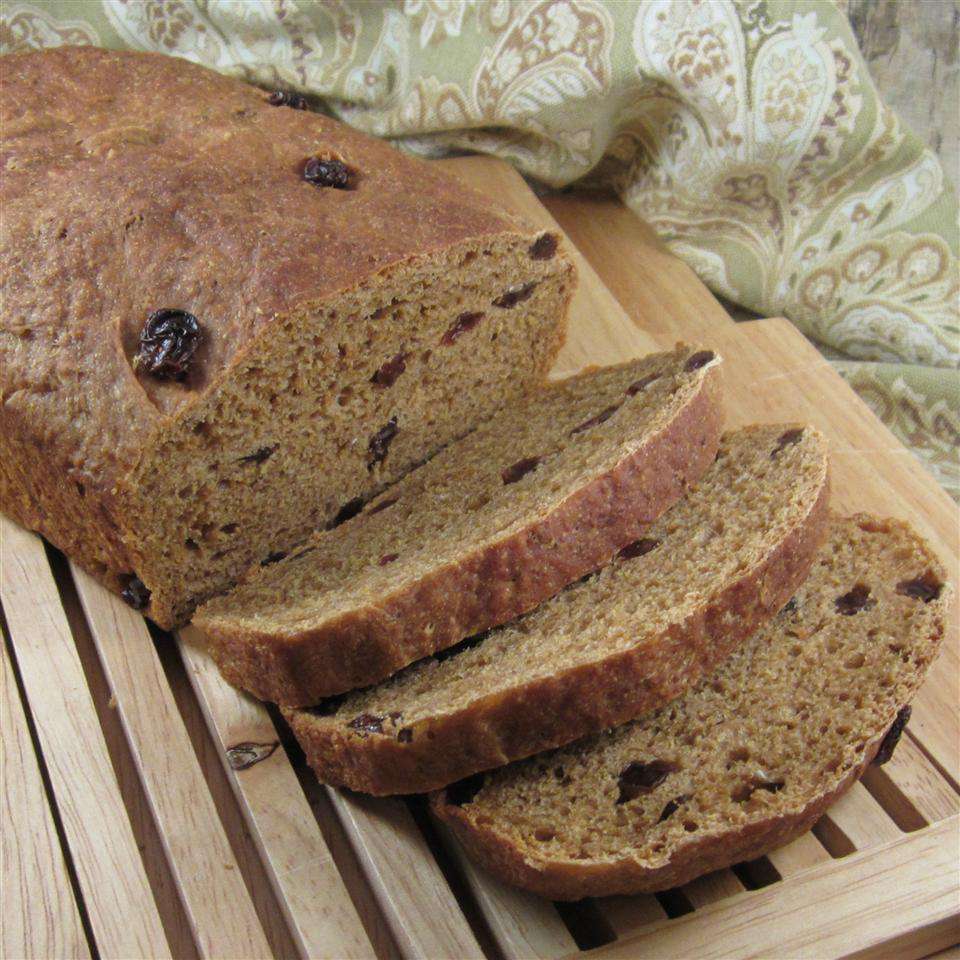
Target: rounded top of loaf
{"x":134,"y":182}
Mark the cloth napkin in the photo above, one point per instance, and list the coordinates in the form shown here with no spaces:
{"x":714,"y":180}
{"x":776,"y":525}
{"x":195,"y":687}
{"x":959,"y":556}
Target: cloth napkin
{"x":748,"y":134}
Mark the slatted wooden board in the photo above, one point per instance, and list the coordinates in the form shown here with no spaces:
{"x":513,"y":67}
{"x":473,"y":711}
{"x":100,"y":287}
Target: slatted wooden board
{"x":150,"y":810}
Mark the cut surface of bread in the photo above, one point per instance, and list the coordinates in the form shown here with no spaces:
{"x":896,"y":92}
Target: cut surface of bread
{"x":629,"y":638}
{"x":745,"y":761}
{"x":322,"y":336}
{"x":543,"y":493}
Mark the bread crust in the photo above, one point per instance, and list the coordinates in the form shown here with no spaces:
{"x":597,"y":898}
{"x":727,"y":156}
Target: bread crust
{"x":555,"y":710}
{"x":573,"y":880}
{"x":135,"y":181}
{"x":495,"y":584}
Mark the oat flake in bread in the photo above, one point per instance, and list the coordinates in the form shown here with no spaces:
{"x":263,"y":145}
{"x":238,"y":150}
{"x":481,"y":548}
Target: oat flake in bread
{"x":544,"y":492}
{"x":629,"y":638}
{"x":223,"y":317}
{"x":744,"y":762}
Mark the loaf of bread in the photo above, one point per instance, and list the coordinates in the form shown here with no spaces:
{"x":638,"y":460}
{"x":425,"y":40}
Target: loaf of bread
{"x":629,"y":638}
{"x":544,"y":492}
{"x":743,"y":763}
{"x":224,"y":317}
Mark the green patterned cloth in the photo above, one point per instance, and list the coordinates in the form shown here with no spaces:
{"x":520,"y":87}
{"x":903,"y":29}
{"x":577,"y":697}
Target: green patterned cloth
{"x":749,"y":134}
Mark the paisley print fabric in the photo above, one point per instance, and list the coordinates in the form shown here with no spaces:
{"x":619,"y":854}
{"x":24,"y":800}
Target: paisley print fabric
{"x":746,"y":132}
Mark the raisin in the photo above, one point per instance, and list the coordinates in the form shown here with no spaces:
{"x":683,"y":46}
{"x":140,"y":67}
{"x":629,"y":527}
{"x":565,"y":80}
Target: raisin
{"x":642,"y":384}
{"x":242,"y":756}
{"x":463,"y":323}
{"x":638,"y":548}
{"x":287,"y":98}
{"x":672,"y":806}
{"x":790,"y":606}
{"x":519,"y":469}
{"x":387,"y":375}
{"x":380,"y":443}
{"x":637,"y":778}
{"x":697,"y":360}
{"x":787,"y":439}
{"x":463,"y":791}
{"x":405,"y":735}
{"x":387,"y":558}
{"x":327,"y":173}
{"x":856,"y":600}
{"x":510,"y":298}
{"x":367,"y":723}
{"x":168,"y":341}
{"x":135,"y":593}
{"x":259,"y":456}
{"x":601,"y":417}
{"x":892,"y":737}
{"x":926,"y":587}
{"x":272,"y":558}
{"x":383,"y":504}
{"x":347,"y":512}
{"x":544,"y":247}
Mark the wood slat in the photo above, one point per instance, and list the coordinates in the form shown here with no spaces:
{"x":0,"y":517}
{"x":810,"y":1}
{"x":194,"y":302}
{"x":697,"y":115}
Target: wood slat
{"x":712,"y":887}
{"x":630,"y":915}
{"x":221,"y":913}
{"x":910,"y":788}
{"x":860,"y":820}
{"x":110,"y":873}
{"x":308,"y":886}
{"x":411,"y":891}
{"x":524,"y":926}
{"x":40,"y":916}
{"x":899,"y":899}
{"x":800,"y":854}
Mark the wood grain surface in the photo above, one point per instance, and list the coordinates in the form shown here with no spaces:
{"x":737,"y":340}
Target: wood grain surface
{"x":39,"y":907}
{"x":110,"y":872}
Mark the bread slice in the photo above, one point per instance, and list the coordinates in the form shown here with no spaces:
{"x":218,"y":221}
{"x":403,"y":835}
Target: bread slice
{"x":543,"y":493}
{"x":623,"y":641}
{"x":224,"y":317}
{"x":743,"y":763}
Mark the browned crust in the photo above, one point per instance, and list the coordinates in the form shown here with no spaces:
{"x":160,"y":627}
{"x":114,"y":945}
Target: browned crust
{"x":572,"y":880}
{"x":555,"y":710}
{"x":496,"y":584}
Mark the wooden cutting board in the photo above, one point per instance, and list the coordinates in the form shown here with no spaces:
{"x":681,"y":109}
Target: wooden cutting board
{"x":139,"y":826}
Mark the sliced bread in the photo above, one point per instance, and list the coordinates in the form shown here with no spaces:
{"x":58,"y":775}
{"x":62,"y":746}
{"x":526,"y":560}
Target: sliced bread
{"x":744,"y":762}
{"x":541,"y":494}
{"x":623,"y":641}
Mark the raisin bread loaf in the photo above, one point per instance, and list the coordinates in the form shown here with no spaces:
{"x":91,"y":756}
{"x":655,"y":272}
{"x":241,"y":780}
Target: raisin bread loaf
{"x":224,"y":317}
{"x":743,"y":763}
{"x":629,"y":638}
{"x":543,"y":493}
